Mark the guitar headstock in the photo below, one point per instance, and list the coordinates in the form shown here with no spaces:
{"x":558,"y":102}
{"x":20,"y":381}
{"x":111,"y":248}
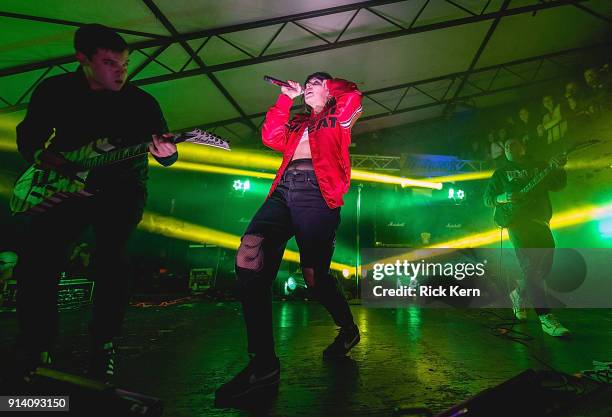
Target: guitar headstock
{"x":201,"y":137}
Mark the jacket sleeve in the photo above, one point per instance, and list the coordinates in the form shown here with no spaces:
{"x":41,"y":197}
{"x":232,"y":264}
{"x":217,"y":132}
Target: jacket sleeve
{"x":348,"y":101}
{"x":275,"y":131}
{"x":37,"y":126}
{"x":168,"y":160}
{"x":494,"y":188}
{"x":160,"y":126}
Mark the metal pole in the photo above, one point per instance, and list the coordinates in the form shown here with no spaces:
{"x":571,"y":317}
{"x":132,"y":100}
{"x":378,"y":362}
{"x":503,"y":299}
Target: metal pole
{"x":357,"y":239}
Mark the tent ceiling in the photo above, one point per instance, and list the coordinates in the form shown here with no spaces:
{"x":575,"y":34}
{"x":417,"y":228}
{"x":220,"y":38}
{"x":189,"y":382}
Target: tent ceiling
{"x":415,"y":59}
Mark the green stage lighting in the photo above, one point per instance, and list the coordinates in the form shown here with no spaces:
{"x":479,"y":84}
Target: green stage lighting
{"x":605,"y":228}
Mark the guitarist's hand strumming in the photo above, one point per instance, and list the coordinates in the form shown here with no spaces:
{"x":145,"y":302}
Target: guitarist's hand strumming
{"x":49,"y":160}
{"x":506,"y":198}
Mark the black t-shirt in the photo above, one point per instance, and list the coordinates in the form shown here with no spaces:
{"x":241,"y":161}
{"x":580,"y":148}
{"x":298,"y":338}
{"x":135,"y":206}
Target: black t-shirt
{"x":66,"y":108}
{"x":513,"y":176}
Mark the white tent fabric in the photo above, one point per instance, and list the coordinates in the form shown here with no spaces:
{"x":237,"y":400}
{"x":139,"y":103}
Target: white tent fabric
{"x":414,"y":58}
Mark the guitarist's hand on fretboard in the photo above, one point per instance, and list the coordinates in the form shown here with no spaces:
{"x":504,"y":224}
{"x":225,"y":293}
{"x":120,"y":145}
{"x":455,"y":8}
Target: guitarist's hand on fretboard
{"x":162,"y":148}
{"x":559,"y":161}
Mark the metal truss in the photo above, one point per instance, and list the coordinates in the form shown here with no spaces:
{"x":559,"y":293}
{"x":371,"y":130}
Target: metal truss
{"x":64,"y":22}
{"x":196,"y":58}
{"x":161,"y":43}
{"x":435,"y":165}
{"x":476,"y":57}
{"x":421,"y":165}
{"x":469,"y":165}
{"x":376,"y":163}
{"x":481,"y":82}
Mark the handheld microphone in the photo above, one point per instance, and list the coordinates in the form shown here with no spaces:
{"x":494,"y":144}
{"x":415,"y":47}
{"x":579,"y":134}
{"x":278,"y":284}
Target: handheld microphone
{"x":278,"y":82}
{"x":275,"y":81}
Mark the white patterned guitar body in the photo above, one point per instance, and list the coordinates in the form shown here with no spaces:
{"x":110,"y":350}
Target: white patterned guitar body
{"x":43,"y":187}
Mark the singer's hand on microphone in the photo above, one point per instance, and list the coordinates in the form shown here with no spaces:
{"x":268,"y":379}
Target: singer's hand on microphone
{"x":294,"y":91}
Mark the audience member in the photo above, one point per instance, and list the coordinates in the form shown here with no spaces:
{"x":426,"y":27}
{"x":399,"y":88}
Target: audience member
{"x":496,"y":147}
{"x":8,"y":260}
{"x":598,"y":89}
{"x":79,"y":263}
{"x":561,"y":126}
{"x":477,"y":151}
{"x":553,"y":123}
{"x":576,"y":110}
{"x":527,"y":131}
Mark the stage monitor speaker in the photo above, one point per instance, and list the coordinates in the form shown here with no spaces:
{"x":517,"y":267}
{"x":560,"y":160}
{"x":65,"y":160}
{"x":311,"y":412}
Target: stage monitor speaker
{"x":72,"y":294}
{"x":200,"y":279}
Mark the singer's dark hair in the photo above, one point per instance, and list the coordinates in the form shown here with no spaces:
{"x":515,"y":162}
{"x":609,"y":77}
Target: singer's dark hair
{"x":89,"y":38}
{"x":320,"y":75}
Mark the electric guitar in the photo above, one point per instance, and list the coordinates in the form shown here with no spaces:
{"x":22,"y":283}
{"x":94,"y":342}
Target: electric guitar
{"x":62,"y":175}
{"x":505,"y":214}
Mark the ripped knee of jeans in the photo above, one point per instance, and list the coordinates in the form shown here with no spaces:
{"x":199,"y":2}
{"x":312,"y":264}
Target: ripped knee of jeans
{"x":250,"y":253}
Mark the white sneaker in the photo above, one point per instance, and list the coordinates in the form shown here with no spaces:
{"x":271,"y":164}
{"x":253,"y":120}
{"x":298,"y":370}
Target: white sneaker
{"x":551,"y":325}
{"x":518,"y":305}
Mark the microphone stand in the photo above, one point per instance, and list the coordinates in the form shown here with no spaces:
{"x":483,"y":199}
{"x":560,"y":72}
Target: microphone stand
{"x":358,"y":242}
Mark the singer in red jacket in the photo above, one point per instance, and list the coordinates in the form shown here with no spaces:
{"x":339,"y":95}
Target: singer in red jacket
{"x":304,"y":201}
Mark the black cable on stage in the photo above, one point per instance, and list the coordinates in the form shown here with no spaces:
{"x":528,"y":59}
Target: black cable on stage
{"x":504,"y":328}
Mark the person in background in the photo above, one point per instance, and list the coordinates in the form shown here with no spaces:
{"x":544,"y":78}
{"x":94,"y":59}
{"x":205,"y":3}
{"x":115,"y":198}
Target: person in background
{"x":577,"y":111}
{"x":496,"y":146}
{"x":80,"y":262}
{"x":474,"y":151}
{"x":553,"y":122}
{"x":529,"y":232}
{"x":8,"y":260}
{"x":526,"y":130}
{"x":599,"y":89}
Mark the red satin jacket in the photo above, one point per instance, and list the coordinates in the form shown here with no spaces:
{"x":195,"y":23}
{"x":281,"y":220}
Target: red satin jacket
{"x":329,"y":135}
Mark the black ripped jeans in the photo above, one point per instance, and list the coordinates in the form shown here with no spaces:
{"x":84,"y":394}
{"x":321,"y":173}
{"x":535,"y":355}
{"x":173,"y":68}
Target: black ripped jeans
{"x":296,"y":208}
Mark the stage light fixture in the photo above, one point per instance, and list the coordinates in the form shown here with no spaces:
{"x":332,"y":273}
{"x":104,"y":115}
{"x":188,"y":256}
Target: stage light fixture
{"x":456,"y":194}
{"x":241,"y":185}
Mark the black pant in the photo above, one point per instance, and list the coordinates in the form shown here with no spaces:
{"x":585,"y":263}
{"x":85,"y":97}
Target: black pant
{"x":44,"y":253}
{"x":534,"y":246}
{"x":295,"y":208}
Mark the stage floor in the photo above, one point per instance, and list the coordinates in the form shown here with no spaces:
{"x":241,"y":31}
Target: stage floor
{"x":409,"y":357}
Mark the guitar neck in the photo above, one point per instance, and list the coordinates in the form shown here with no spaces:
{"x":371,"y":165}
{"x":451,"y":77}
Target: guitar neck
{"x":115,"y":156}
{"x":535,"y":181}
{"x":106,"y":153}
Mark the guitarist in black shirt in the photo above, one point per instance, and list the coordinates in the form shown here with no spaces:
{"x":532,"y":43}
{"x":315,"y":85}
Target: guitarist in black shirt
{"x":94,"y":102}
{"x":518,"y":191}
